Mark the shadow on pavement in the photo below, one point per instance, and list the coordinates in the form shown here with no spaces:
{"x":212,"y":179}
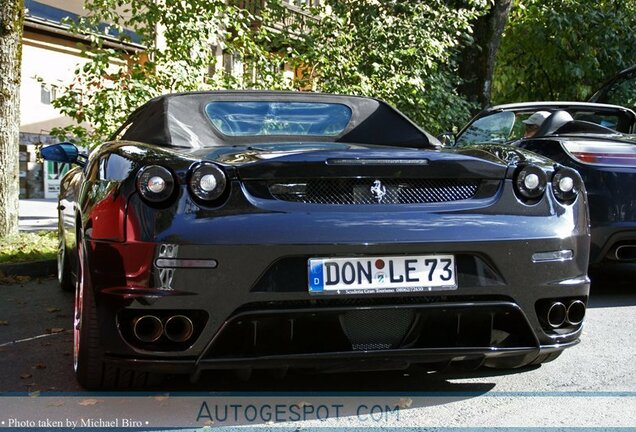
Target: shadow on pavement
{"x":295,"y":381}
{"x":612,"y":289}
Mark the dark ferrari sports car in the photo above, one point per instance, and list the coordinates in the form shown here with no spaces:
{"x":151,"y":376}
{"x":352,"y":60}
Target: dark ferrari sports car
{"x":268,"y":230}
{"x":595,"y":140}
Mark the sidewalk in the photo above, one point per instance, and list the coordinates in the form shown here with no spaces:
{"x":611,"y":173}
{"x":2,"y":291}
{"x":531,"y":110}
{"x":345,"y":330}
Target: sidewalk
{"x":38,"y":215}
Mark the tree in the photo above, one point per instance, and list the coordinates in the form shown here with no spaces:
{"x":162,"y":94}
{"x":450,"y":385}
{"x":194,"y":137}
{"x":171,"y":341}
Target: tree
{"x":400,"y":51}
{"x":397,"y":50}
{"x":563,"y":50}
{"x":477,"y":58}
{"x":179,"y":40}
{"x":11,"y":21}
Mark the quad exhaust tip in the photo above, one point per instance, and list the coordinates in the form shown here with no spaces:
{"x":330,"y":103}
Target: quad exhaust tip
{"x":178,"y":328}
{"x":575,"y":312}
{"x":147,"y":328}
{"x":557,"y":314}
{"x":625,"y":253}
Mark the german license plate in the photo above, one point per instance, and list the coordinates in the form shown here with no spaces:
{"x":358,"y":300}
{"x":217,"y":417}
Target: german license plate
{"x":382,"y":274}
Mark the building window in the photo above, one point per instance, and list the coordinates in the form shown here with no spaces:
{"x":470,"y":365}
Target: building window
{"x":48,"y":93}
{"x":45,"y":94}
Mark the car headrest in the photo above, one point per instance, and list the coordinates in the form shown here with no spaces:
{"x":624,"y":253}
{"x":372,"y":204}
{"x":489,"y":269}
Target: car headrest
{"x":554,"y":122}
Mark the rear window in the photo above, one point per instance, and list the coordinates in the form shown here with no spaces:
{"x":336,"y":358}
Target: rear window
{"x":278,"y":118}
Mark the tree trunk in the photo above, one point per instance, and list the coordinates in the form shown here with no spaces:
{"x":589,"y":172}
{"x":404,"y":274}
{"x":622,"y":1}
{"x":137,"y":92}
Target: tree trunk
{"x":477,"y":60}
{"x":11,"y":22}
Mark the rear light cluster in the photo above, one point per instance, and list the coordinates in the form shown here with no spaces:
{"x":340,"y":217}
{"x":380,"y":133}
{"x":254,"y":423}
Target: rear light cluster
{"x":207,"y":184}
{"x":531,"y":181}
{"x":155,"y":184}
{"x":603,"y":154}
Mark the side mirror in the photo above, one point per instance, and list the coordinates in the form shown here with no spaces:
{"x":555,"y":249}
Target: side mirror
{"x":64,"y":153}
{"x":447,"y":139}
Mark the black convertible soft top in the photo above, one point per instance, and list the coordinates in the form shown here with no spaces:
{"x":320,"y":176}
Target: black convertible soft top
{"x":180,"y":120}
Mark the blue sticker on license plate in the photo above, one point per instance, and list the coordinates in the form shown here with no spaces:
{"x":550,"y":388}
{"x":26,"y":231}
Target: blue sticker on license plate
{"x":382,"y":274}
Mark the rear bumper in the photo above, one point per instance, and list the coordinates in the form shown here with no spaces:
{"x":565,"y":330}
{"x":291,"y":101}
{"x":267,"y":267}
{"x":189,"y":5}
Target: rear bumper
{"x":348,"y":338}
{"x":274,"y":278}
{"x":339,"y":361}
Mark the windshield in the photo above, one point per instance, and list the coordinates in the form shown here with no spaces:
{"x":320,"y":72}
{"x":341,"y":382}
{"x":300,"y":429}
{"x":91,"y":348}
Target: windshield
{"x":507,"y":126}
{"x":493,"y":128}
{"x":278,"y":118}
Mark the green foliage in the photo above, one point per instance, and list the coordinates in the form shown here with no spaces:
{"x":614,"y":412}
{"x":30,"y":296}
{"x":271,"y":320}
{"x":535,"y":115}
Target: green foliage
{"x":622,"y":92}
{"x":24,"y":246}
{"x":179,"y":44}
{"x":563,"y":50}
{"x":400,"y":51}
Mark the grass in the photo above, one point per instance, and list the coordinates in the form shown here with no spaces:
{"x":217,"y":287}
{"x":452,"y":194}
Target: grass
{"x":28,"y":246}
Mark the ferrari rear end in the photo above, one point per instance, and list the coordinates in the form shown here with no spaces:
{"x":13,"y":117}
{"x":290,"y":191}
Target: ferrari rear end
{"x":289,"y":243}
{"x":352,"y":257}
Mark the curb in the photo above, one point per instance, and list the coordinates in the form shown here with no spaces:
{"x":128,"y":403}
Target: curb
{"x":33,"y":268}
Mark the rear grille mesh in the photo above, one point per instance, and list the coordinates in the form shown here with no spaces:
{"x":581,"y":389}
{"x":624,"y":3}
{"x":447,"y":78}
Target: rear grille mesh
{"x":374,"y":191}
{"x":376,"y":329}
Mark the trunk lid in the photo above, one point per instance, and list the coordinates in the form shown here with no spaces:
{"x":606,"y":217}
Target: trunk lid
{"x":345,"y":174}
{"x":337,"y":160}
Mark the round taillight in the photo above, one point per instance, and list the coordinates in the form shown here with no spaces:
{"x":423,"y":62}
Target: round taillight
{"x":207,"y":182}
{"x":530,"y":182}
{"x":566,"y":184}
{"x":155,"y":183}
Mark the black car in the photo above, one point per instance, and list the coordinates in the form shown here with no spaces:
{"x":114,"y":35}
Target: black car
{"x":241,"y":230}
{"x":619,"y":90}
{"x":594,"y":139}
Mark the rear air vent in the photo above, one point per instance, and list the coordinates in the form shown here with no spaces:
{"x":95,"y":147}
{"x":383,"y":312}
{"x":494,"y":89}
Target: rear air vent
{"x":346,"y":191}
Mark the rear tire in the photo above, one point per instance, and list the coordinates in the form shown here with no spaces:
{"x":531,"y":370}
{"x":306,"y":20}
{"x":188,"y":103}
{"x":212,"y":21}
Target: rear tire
{"x":89,"y":363}
{"x":91,"y":370}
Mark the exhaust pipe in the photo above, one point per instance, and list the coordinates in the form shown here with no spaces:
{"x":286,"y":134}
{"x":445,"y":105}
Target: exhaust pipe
{"x":147,"y":328}
{"x":178,"y":328}
{"x":557,"y":313}
{"x":576,"y":312}
{"x":625,"y":253}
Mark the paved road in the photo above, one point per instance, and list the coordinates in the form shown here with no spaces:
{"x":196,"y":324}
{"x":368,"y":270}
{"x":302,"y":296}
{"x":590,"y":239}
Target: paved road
{"x":35,"y":355}
{"x":37,"y":215}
